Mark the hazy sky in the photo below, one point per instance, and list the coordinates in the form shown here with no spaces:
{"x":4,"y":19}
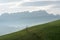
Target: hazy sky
{"x":11,"y":6}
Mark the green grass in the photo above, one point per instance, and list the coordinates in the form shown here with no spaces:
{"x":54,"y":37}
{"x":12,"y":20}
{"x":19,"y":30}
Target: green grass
{"x":48,"y":31}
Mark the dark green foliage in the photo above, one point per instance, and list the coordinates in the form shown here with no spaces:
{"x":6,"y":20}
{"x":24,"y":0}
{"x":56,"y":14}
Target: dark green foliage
{"x":48,"y":31}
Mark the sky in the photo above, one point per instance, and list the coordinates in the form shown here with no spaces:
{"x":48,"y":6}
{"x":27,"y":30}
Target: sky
{"x":13,"y":6}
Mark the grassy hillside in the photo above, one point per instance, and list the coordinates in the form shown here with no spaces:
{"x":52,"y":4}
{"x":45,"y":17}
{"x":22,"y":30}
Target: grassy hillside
{"x":48,"y":31}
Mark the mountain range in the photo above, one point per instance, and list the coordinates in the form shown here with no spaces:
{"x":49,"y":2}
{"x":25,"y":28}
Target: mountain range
{"x":17,"y":21}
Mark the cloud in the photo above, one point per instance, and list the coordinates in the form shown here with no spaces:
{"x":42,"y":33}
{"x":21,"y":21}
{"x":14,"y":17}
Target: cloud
{"x":54,"y":10}
{"x":45,"y":0}
{"x":13,"y":6}
{"x":4,"y":1}
{"x":56,"y":6}
{"x":41,"y":3}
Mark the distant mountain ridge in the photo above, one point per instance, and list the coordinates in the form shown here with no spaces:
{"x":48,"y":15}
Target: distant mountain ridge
{"x":28,"y":15}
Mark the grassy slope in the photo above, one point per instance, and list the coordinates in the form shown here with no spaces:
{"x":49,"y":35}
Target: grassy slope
{"x":48,"y":31}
